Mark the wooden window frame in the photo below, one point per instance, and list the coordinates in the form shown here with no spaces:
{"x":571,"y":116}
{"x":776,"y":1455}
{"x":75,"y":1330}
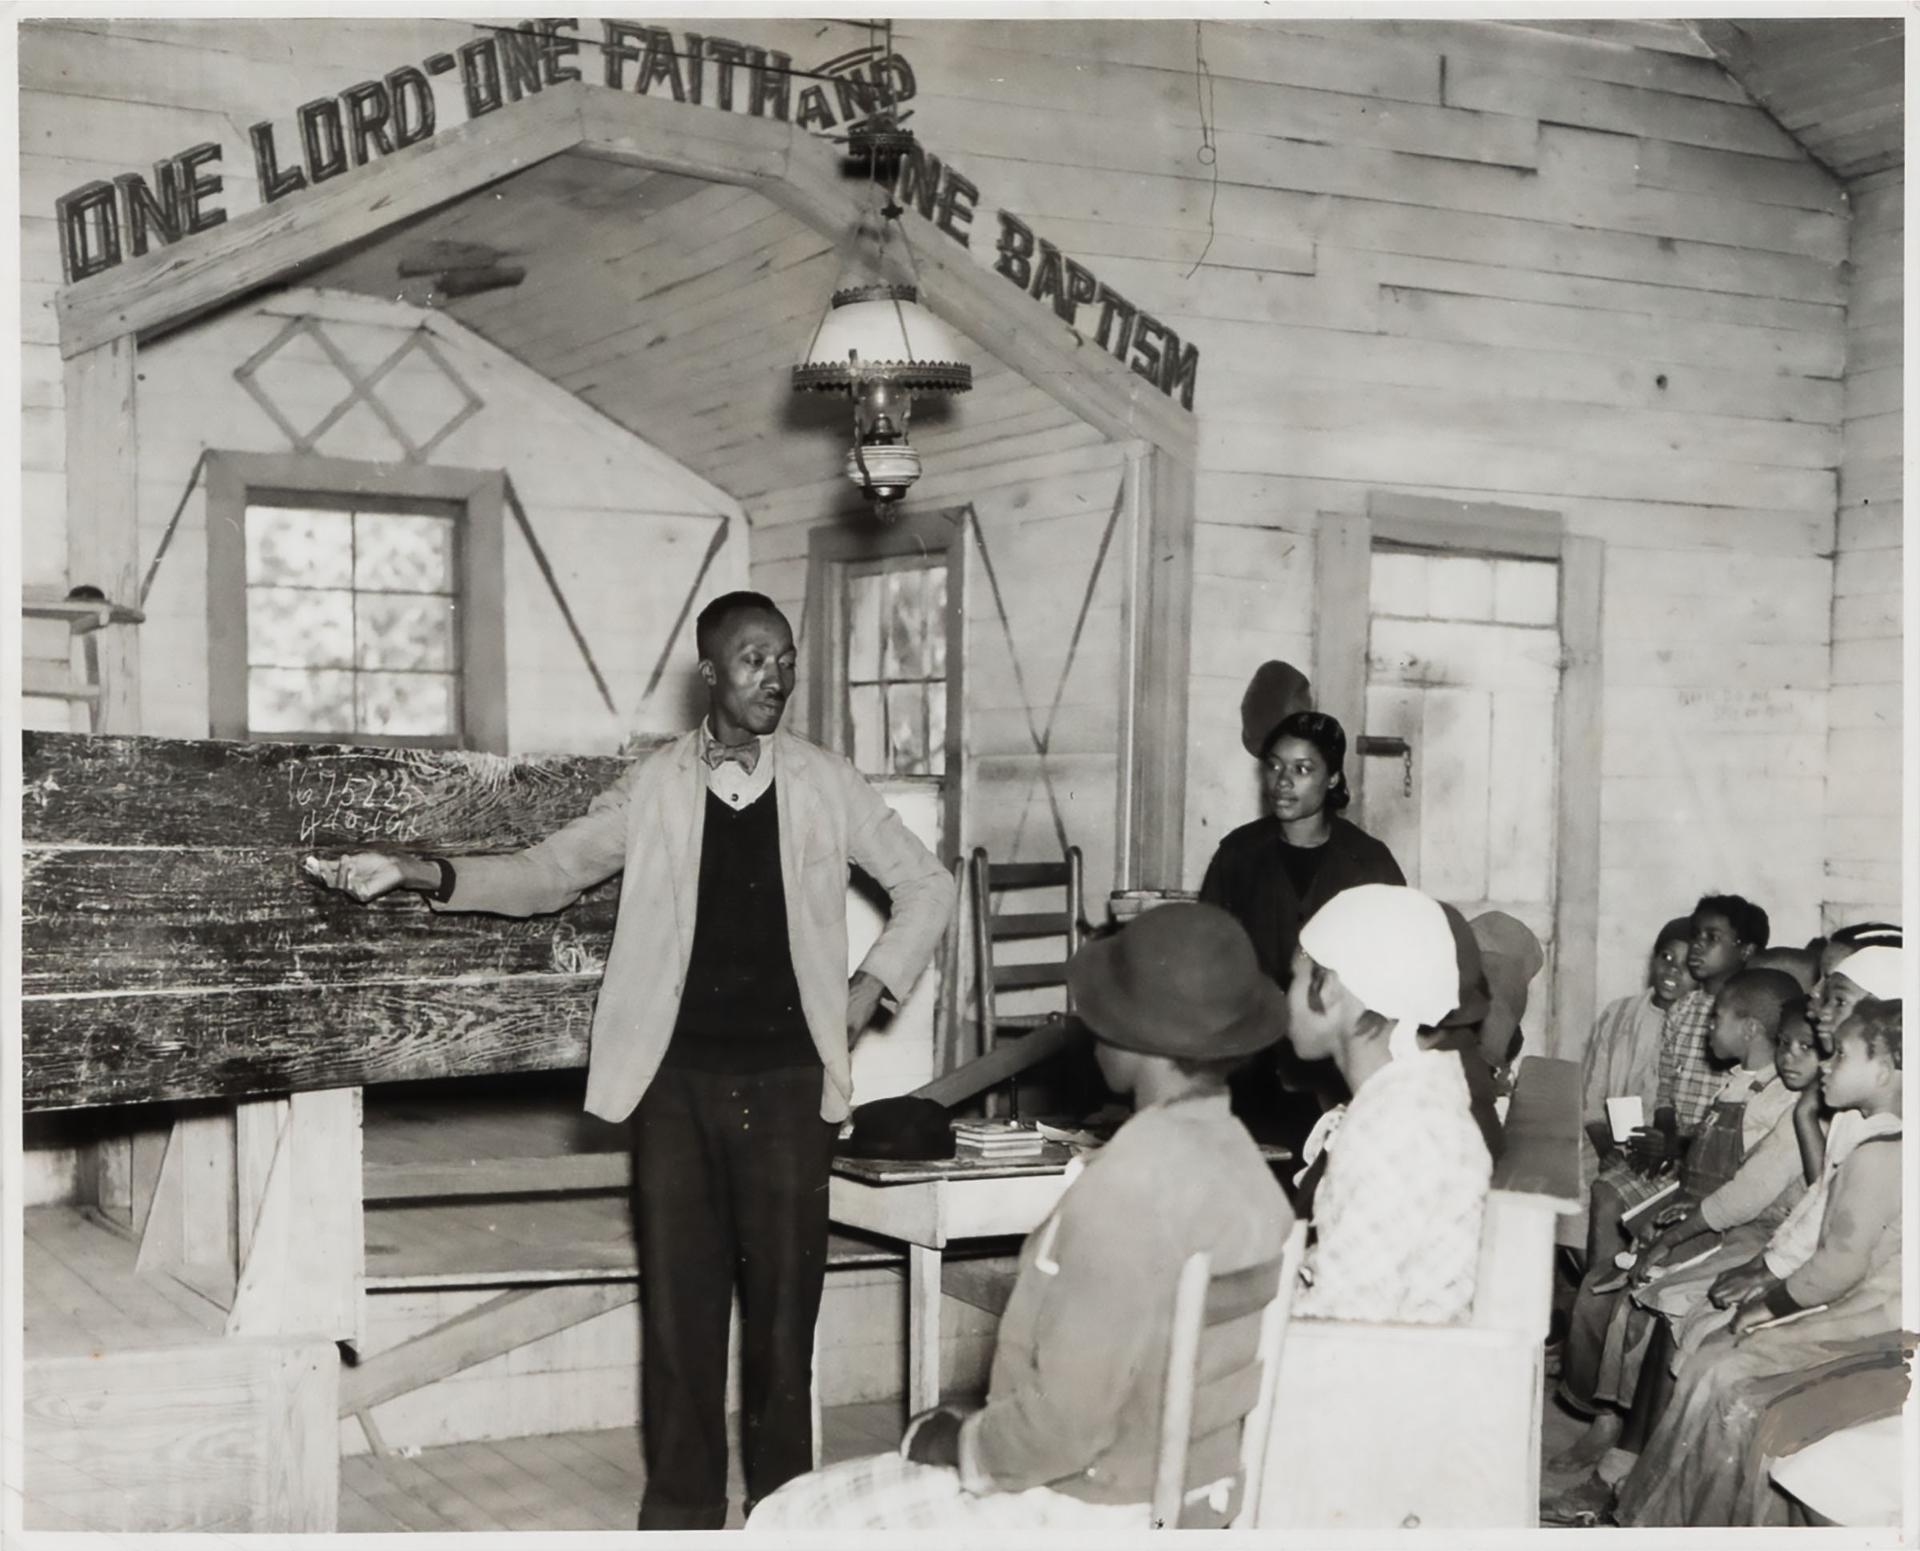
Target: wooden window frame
{"x":478,"y":497}
{"x":1343,"y":557}
{"x":831,"y":552}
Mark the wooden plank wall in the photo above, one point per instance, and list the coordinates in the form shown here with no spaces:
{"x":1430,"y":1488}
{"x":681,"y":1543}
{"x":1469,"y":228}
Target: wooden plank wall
{"x":625,"y":529}
{"x":1543,"y":270}
{"x":1486,"y":262}
{"x":1467,"y":259}
{"x":98,"y":98}
{"x":1864,"y":728}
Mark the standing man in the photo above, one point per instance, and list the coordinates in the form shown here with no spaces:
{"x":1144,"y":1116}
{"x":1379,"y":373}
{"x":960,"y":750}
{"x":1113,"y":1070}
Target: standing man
{"x":723,"y":1032}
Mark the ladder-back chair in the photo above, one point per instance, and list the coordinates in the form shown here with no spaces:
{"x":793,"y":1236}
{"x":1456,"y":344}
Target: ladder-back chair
{"x":991,"y":927}
{"x":1223,"y":1372}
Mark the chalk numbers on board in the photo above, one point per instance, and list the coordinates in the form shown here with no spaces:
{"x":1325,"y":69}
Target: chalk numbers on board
{"x":364,"y":807}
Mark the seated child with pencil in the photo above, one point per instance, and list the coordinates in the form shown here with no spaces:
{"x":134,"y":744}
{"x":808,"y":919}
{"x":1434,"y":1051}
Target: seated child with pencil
{"x":1796,"y":1316}
{"x":1689,"y":1240}
{"x":1859,"y":962}
{"x":1751,"y":1102}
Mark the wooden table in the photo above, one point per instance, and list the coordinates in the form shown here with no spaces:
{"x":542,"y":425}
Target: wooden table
{"x":928,"y":1206}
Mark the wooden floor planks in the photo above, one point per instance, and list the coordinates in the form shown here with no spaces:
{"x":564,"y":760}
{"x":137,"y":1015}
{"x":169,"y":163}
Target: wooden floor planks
{"x":545,"y":1239}
{"x":82,"y":1292}
{"x":593,"y":1480}
{"x":563,"y":1481}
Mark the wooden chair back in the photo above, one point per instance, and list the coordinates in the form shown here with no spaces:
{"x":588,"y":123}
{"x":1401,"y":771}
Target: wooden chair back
{"x":1223,"y":1372}
{"x":991,"y":927}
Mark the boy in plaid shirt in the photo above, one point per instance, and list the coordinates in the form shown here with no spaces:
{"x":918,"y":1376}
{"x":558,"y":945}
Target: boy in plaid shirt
{"x":1727,"y":932}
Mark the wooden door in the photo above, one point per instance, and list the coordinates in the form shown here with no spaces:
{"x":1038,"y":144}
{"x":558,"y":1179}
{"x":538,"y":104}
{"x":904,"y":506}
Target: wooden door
{"x":1463,"y":667}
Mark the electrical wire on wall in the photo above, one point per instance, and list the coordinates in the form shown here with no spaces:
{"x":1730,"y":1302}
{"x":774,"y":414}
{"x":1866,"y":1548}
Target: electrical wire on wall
{"x":1209,"y":153}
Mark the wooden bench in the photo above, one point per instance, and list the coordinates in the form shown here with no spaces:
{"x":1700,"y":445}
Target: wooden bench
{"x":1438,"y":1427}
{"x":1852,"y":1478}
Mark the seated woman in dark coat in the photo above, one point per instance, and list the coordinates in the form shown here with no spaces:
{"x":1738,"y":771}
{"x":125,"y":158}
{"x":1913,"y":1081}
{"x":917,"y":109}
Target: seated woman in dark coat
{"x":1273,"y":874}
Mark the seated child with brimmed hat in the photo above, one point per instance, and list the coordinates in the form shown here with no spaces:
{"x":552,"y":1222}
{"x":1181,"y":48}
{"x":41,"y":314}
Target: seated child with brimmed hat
{"x":1068,"y":1436}
{"x":1498,"y":957}
{"x":1397,"y":1216}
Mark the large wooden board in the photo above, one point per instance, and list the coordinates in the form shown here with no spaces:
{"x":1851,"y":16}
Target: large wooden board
{"x":171,"y":948}
{"x":230,"y":1437}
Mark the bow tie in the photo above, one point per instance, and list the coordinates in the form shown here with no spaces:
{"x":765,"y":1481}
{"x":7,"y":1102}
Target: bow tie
{"x":745,"y":755}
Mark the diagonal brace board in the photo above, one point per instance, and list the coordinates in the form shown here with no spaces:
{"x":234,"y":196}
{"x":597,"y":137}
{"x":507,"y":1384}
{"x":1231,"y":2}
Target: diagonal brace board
{"x":499,"y":1325}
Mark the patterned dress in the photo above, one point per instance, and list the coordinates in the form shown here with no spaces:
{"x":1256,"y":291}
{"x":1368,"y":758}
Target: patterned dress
{"x":1398,"y":1213}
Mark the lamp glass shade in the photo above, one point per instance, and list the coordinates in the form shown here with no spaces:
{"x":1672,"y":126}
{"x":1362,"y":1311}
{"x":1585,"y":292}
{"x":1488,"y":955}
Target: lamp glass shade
{"x":891,"y":337}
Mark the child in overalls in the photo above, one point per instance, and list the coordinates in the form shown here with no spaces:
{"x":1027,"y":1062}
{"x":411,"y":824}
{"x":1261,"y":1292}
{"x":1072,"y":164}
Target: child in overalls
{"x":1747,"y":1016}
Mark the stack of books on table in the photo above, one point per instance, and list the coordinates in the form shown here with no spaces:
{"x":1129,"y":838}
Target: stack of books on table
{"x":1002,"y":1141}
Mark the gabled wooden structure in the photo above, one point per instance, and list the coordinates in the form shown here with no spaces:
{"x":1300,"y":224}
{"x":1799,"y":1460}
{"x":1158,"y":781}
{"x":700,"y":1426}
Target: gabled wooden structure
{"x":104,"y":320}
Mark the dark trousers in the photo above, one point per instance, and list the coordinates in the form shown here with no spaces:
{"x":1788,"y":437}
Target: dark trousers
{"x":729,"y":1189}
{"x":1586,"y":1342}
{"x":1655,"y":1389}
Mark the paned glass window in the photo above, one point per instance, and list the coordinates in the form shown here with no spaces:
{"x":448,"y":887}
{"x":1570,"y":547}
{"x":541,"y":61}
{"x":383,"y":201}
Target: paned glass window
{"x":351,"y":624}
{"x":896,"y":669}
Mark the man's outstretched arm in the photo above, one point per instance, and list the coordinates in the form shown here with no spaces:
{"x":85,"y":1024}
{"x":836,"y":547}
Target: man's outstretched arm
{"x":544,"y":877}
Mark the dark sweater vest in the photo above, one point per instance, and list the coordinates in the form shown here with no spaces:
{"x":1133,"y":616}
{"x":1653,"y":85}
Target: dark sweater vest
{"x":740,"y":1011}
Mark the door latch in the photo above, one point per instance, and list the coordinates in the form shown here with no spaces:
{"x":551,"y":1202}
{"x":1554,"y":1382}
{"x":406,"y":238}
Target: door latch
{"x":1368,"y":746}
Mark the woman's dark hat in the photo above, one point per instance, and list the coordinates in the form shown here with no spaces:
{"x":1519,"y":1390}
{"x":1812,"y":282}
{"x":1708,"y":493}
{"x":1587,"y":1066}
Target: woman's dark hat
{"x":903,"y":1127}
{"x":1278,"y":690}
{"x":1511,"y":956}
{"x":1180,"y":981}
{"x":1474,"y":992}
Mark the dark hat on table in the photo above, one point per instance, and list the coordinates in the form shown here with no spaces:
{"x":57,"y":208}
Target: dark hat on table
{"x":1179,"y":981}
{"x":1277,"y":690}
{"x":905,"y":1127}
{"x":1511,"y":956}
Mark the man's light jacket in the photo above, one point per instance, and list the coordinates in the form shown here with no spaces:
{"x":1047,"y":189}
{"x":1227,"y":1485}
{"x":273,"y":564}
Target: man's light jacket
{"x":649,"y":823}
